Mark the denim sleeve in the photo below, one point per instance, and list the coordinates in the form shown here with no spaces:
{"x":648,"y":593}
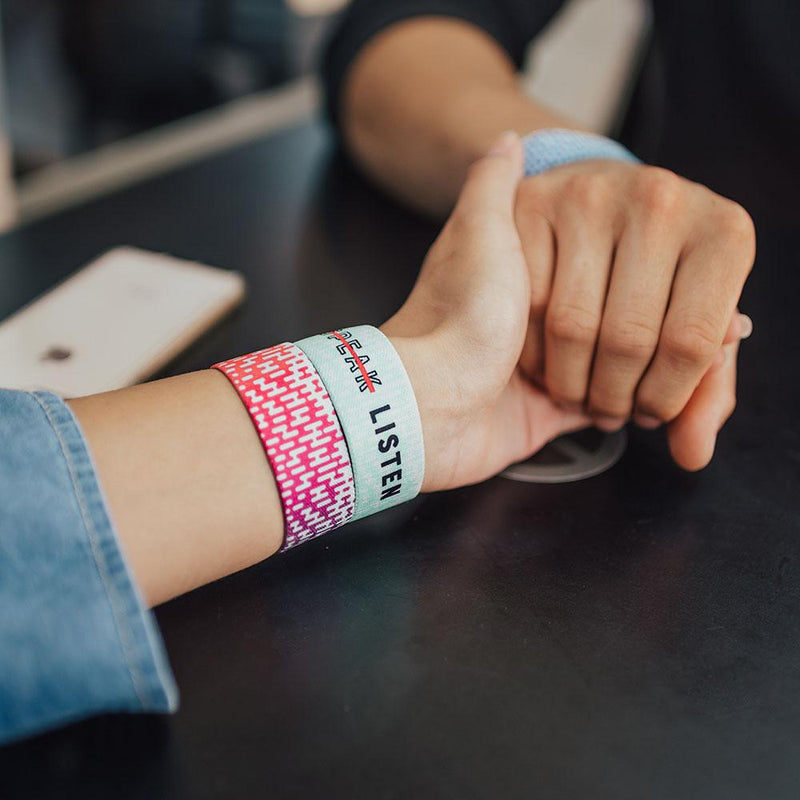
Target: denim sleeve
{"x":75,"y":637}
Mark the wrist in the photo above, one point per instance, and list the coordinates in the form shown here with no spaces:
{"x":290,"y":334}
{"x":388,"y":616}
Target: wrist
{"x":553,"y":147}
{"x":441,"y":410}
{"x":505,"y":107}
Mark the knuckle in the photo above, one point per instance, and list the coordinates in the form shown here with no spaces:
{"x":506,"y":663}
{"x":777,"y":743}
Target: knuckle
{"x":631,"y":338}
{"x":530,"y":196}
{"x":572,"y":324}
{"x":738,"y":228}
{"x":657,"y":406}
{"x":655,"y":400}
{"x":661,"y":192}
{"x":589,"y":191}
{"x":694,"y":340}
{"x":565,"y":395}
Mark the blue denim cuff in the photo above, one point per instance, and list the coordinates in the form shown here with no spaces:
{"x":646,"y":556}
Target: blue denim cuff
{"x":75,"y":637}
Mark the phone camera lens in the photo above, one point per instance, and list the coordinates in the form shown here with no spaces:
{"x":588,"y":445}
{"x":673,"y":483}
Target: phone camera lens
{"x":56,"y":354}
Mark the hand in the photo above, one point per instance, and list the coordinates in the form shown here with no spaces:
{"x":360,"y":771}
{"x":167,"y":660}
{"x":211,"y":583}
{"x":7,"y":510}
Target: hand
{"x":635,"y":276}
{"x":460,"y":334}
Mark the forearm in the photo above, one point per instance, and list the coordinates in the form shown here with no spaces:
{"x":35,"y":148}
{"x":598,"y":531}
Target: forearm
{"x":188,"y":485}
{"x":424,"y":100}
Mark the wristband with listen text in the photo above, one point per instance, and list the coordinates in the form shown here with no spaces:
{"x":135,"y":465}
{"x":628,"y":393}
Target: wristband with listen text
{"x":338,"y":420}
{"x":378,"y":412}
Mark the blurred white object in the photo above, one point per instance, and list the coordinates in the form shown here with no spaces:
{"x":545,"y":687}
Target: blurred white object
{"x":113,"y":323}
{"x":168,"y":147}
{"x":583,"y":65}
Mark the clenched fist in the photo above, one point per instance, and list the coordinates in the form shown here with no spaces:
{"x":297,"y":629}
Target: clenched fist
{"x":635,"y":276}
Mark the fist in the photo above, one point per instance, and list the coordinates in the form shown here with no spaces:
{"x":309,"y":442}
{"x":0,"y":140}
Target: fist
{"x":635,"y":275}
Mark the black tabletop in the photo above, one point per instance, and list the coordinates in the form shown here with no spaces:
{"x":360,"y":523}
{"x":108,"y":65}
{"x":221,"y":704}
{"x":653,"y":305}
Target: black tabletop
{"x":635,"y":635}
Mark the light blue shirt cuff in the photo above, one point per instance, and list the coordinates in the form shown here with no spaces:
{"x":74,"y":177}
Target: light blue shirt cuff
{"x":76,"y":638}
{"x":552,"y":147}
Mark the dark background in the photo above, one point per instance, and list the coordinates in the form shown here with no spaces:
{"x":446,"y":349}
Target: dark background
{"x":83,"y":73}
{"x":634,"y":635}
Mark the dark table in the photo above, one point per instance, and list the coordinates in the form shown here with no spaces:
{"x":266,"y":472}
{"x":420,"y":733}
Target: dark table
{"x":636,"y":635}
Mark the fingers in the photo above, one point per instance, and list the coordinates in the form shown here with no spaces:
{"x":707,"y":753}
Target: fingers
{"x":585,"y":244}
{"x":707,"y":287}
{"x":637,"y":299}
{"x":491,"y":185}
{"x":538,"y":248}
{"x":551,"y":421}
{"x":693,"y":434}
{"x":639,"y":337}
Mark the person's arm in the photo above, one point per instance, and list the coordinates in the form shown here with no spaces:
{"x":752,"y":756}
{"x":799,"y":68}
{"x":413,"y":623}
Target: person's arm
{"x":424,"y":99}
{"x":635,"y":271}
{"x":126,"y":499}
{"x":188,"y":485}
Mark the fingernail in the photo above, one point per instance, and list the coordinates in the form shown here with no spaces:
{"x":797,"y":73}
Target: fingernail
{"x":609,"y":424}
{"x":646,"y":421}
{"x":747,"y":326}
{"x":503,"y":143}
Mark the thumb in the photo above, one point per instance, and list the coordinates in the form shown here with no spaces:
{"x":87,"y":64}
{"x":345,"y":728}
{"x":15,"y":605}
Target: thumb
{"x":531,"y":419}
{"x":491,"y":185}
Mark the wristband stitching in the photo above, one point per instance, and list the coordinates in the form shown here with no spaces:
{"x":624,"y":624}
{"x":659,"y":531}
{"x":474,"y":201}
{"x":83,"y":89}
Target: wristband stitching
{"x":300,"y":432}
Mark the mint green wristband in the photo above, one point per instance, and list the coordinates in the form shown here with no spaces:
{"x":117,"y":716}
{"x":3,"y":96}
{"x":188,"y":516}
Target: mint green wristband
{"x":374,"y":400}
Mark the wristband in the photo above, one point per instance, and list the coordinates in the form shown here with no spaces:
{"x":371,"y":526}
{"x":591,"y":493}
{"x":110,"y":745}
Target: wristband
{"x":378,"y":413}
{"x":553,"y":147}
{"x":300,"y":432}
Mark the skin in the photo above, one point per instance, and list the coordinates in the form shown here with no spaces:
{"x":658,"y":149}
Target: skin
{"x":187,"y":482}
{"x":635,"y":273}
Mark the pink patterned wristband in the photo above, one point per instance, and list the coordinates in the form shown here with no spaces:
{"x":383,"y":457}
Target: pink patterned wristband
{"x":303,"y":440}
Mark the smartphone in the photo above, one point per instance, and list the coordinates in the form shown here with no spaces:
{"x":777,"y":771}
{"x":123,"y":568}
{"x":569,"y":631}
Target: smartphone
{"x":113,"y":323}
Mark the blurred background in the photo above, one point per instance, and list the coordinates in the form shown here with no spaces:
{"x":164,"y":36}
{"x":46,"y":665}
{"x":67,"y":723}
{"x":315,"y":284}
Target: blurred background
{"x":96,"y":94}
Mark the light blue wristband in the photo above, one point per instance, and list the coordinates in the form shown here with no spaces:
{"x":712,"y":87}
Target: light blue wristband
{"x":374,"y":400}
{"x":553,"y":147}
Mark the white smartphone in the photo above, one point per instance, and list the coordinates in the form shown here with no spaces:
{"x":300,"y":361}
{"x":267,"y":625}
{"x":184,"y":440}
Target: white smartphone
{"x":113,"y":323}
